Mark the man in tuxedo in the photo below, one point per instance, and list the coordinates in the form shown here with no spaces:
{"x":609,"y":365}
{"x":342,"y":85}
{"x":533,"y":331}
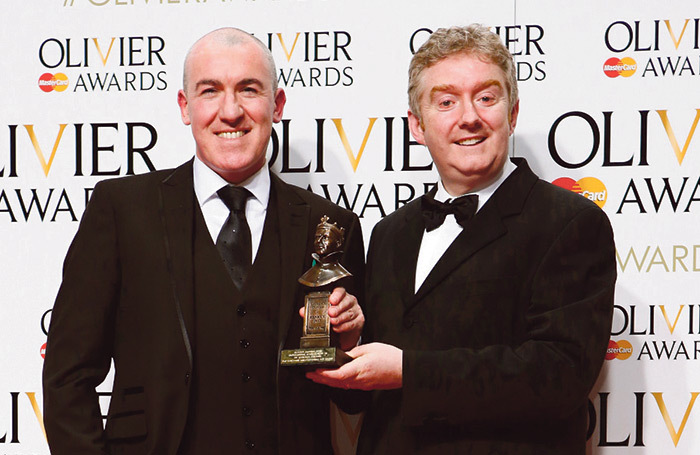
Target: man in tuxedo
{"x":186,"y":279}
{"x":489,"y":329}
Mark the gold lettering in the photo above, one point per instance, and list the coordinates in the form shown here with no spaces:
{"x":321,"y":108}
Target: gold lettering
{"x":675,"y":436}
{"x":680,"y":154}
{"x":284,"y":47}
{"x":354,"y":161}
{"x":102,"y":56}
{"x":673,"y":35}
{"x":661,"y":261}
{"x":678,"y":315}
{"x":44,"y":165}
{"x":37,"y":411}
{"x":679,"y":259}
{"x":639,"y":264}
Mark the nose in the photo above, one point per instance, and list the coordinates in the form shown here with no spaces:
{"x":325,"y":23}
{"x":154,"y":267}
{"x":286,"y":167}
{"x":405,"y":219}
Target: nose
{"x":230,"y":109}
{"x":469,"y":116}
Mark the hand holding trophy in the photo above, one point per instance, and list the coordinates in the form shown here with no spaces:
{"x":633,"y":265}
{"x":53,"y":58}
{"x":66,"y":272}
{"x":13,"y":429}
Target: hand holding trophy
{"x":315,"y":345}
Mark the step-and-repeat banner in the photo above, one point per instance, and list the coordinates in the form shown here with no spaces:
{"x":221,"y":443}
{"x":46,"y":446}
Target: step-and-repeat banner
{"x":609,"y":109}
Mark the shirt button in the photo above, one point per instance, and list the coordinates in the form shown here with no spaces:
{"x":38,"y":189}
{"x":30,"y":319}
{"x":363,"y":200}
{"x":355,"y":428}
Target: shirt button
{"x":247,"y":411}
{"x":245,"y":377}
{"x":250,"y":445}
{"x":241,"y":310}
{"x":244,"y":343}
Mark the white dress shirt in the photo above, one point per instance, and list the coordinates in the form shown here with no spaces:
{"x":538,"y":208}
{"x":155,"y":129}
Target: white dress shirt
{"x":435,"y":243}
{"x":207,"y":183}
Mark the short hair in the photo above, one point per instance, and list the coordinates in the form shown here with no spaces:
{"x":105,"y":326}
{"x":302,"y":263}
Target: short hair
{"x":232,"y":36}
{"x":474,"y":39}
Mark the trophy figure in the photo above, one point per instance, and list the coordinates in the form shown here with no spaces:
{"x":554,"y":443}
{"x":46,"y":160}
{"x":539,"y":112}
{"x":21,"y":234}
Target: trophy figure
{"x":315,"y":345}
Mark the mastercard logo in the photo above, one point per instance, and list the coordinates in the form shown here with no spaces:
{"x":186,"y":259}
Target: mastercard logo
{"x":624,"y":67}
{"x":49,"y":82}
{"x":588,"y":187}
{"x":621,"y":350}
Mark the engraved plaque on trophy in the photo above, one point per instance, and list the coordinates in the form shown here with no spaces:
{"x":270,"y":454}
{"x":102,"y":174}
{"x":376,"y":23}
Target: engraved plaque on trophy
{"x":315,"y":345}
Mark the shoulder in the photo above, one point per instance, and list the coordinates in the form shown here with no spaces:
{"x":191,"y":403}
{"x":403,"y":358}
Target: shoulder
{"x":560,"y":201}
{"x":140,"y":184}
{"x":405,"y":213}
{"x":541,"y":199}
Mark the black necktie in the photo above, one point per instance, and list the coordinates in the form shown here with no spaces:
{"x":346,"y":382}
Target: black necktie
{"x":434,"y":212}
{"x":233,"y":241}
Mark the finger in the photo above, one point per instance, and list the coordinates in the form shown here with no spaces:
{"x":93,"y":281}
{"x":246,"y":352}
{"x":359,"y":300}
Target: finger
{"x":342,"y":317}
{"x":337,"y":296}
{"x":346,"y":326}
{"x":357,"y":351}
{"x":302,"y":311}
{"x":347,"y":303}
{"x":338,"y":375}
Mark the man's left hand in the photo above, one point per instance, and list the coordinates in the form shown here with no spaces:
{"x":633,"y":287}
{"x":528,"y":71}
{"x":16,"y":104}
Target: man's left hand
{"x":346,"y":317}
{"x":375,"y":366}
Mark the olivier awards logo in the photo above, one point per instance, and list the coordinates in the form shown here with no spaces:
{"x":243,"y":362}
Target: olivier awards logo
{"x":312,"y":58}
{"x":610,"y":149}
{"x":664,"y":48}
{"x":113,"y":64}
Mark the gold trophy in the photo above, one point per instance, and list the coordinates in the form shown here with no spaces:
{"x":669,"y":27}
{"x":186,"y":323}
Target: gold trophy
{"x":315,"y":345}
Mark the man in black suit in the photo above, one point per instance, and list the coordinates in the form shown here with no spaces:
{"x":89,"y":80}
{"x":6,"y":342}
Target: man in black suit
{"x":195,"y":340}
{"x":488,"y":329}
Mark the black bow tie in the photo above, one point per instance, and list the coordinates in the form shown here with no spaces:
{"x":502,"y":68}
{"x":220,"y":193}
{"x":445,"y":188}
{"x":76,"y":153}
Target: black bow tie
{"x":434,"y":212}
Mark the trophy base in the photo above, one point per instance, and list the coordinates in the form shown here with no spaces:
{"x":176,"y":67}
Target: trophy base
{"x":318,"y":357}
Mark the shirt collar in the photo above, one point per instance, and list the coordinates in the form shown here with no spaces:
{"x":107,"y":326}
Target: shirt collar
{"x":207,"y":183}
{"x":485,"y":193}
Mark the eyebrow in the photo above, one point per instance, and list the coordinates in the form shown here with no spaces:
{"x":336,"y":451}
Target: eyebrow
{"x":242,"y":83}
{"x":450,"y":87}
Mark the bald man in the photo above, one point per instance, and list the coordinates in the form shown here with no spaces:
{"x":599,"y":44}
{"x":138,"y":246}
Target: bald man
{"x":159,"y":281}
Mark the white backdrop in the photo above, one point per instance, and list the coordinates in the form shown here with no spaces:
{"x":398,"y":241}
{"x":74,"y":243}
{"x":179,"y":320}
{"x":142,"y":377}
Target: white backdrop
{"x":609,"y":107}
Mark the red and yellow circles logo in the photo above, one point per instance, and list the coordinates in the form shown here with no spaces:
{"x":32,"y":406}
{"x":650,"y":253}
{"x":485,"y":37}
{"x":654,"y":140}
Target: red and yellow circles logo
{"x":49,"y":82}
{"x":621,"y":350}
{"x":588,"y":187}
{"x":624,"y":67}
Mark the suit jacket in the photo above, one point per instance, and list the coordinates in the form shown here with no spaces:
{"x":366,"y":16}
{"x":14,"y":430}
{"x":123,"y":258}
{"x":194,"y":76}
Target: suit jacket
{"x":127,"y":297}
{"x":505,"y":338}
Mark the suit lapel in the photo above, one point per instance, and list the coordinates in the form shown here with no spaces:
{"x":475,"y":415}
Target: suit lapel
{"x":406,"y":244}
{"x":293,"y":214}
{"x":177,"y":215}
{"x":486,"y":226}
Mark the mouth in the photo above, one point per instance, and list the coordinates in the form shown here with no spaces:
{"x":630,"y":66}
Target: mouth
{"x":471,"y":141}
{"x":232,"y":134}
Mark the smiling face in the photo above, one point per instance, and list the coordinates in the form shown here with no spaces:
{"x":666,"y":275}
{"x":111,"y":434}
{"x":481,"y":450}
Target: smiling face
{"x":230,"y":103}
{"x":465,"y":121}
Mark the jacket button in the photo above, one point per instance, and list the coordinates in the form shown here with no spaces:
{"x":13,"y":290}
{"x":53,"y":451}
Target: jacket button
{"x":241,"y":310}
{"x":247,"y":411}
{"x":244,"y":343}
{"x":250,"y":445}
{"x":245,"y":377}
{"x":187,"y":378}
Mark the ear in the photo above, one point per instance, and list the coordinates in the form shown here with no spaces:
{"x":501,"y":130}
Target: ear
{"x":280,"y":100}
{"x":416,"y":127}
{"x":513,"y":117}
{"x":184,"y":112}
